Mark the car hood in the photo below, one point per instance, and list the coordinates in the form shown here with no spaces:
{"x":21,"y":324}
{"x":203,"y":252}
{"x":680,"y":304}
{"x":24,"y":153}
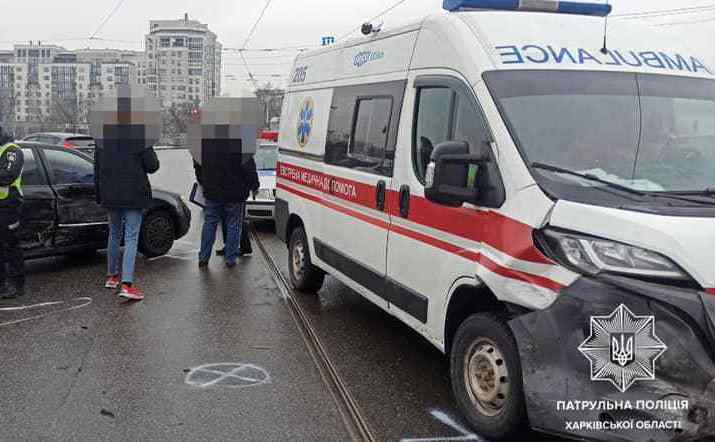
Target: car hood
{"x":685,"y":240}
{"x":164,"y":195}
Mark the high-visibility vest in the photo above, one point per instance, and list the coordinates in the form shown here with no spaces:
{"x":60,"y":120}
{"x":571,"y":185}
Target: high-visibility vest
{"x":17,"y":184}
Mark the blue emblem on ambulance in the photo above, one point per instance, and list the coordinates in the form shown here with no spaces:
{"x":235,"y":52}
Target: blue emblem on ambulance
{"x":305,"y":121}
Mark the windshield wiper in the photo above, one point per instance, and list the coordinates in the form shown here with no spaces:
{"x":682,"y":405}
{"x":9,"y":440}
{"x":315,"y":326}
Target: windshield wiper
{"x":709,"y":191}
{"x":587,"y":176}
{"x":679,"y":196}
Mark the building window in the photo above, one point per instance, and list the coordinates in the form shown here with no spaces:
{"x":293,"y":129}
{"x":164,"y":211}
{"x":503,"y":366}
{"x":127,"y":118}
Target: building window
{"x":165,"y":42}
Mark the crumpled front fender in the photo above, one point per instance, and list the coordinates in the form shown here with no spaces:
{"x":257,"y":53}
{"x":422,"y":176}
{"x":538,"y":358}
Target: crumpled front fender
{"x":556,"y":372}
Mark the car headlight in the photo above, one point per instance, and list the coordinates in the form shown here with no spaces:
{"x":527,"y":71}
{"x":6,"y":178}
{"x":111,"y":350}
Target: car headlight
{"x":264,"y":194}
{"x":591,"y":255}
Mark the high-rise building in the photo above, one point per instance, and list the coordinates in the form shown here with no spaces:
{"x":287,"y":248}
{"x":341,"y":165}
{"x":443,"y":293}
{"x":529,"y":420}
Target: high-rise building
{"x":51,"y":86}
{"x":183,"y":62}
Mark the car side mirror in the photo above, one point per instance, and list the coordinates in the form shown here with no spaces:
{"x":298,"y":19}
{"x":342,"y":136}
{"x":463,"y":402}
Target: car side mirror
{"x":451,"y":174}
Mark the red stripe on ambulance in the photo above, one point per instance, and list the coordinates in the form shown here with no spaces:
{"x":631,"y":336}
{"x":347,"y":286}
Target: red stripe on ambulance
{"x":498,"y":231}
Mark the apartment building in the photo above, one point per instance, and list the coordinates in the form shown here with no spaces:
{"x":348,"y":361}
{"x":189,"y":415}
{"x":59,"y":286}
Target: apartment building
{"x":182,"y":63}
{"x":40,"y":83}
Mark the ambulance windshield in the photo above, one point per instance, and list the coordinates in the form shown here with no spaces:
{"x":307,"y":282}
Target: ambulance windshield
{"x":652,"y":133}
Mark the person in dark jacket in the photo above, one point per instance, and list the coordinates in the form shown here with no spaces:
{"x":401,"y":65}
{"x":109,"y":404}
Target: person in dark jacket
{"x":123,"y":188}
{"x":227,"y":177}
{"x":12,"y":263}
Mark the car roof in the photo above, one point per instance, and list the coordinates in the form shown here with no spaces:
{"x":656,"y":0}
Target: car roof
{"x":59,"y":134}
{"x":45,"y":146}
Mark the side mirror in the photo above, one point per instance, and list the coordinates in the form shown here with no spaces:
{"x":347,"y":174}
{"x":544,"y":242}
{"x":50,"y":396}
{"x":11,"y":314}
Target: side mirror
{"x":451,"y":174}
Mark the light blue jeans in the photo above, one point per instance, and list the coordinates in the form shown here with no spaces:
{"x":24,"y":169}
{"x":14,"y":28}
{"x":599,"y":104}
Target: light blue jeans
{"x":215,"y":213}
{"x":131,"y":220}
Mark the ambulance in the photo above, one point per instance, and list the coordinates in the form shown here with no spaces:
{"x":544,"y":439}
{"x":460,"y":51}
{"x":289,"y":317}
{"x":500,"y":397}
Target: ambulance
{"x":531,"y":187}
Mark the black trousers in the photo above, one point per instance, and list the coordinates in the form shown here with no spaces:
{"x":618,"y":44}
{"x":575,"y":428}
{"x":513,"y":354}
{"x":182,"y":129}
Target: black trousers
{"x":12,"y":262}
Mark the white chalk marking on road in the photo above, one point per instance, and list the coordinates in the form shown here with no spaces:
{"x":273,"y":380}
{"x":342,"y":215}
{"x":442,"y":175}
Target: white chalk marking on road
{"x":465,"y":434}
{"x":84,"y":303}
{"x":28,"y":307}
{"x":251,"y":375}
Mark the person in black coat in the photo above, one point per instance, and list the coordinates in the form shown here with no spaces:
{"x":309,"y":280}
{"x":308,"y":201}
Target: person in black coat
{"x":227,"y":177}
{"x":123,"y":188}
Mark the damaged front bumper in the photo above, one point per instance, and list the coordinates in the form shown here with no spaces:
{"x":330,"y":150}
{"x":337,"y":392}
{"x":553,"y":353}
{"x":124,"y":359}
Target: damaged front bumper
{"x":561,"y":396}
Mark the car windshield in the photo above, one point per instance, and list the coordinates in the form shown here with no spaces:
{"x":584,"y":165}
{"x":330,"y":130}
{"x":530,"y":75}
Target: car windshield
{"x":652,"y":133}
{"x":266,"y":157}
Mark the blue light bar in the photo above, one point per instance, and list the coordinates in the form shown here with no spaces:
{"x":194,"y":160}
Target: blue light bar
{"x":559,"y":7}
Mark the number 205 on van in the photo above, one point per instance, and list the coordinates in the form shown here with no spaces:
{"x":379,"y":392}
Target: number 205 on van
{"x":536,"y":204}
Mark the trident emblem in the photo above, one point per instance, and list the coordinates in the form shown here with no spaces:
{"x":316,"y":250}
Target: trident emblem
{"x":622,"y":348}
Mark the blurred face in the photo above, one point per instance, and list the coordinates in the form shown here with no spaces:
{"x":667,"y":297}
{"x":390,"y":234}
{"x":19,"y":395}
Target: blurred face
{"x":129,"y":120}
{"x":224,"y":124}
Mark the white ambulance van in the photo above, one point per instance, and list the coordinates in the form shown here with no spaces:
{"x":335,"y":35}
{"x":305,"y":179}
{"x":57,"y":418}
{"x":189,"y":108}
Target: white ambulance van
{"x":538,"y":205}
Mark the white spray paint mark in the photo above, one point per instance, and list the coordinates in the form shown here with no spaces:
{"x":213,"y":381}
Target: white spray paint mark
{"x":84,"y":302}
{"x":29,"y":307}
{"x":227,"y":374}
{"x":465,"y":434}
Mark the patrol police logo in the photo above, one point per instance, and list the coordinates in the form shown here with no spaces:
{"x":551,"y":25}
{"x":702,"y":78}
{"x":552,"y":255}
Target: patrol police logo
{"x":622,"y":348}
{"x":305,"y":121}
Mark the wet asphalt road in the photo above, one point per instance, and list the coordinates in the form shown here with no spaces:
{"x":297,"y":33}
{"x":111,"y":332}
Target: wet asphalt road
{"x":79,"y":364}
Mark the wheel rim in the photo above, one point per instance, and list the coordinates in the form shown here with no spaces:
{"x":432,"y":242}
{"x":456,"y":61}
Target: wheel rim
{"x":486,"y":376}
{"x":298,"y":260}
{"x":158,"y":233}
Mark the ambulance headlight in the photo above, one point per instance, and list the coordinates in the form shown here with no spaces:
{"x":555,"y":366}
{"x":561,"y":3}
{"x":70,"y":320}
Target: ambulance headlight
{"x":591,"y":255}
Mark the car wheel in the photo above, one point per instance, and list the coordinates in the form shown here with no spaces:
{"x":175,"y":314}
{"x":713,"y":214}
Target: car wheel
{"x":157,"y":234}
{"x":304,"y":276}
{"x":486,"y":377}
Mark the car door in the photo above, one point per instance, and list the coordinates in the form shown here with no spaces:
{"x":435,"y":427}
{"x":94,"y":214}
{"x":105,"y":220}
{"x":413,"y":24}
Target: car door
{"x":37,"y":223}
{"x":358,"y":165}
{"x":429,"y":245}
{"x":81,"y":222}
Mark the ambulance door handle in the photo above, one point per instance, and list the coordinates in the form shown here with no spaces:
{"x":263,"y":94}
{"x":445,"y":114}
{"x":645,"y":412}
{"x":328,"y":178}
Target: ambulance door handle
{"x":380,"y":192}
{"x":405,"y":201}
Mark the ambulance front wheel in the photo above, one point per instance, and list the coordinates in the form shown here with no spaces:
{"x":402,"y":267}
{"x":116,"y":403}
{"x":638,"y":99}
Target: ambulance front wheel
{"x":304,"y":276}
{"x":486,"y":377}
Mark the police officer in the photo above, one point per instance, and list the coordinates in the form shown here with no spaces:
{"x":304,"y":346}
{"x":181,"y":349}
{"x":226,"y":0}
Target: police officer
{"x":12,"y":264}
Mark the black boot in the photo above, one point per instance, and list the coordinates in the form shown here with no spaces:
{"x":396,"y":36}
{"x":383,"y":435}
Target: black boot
{"x":14,"y":291}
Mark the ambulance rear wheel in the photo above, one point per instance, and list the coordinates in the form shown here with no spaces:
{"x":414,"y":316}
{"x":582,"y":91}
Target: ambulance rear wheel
{"x":486,"y":377}
{"x":304,"y":276}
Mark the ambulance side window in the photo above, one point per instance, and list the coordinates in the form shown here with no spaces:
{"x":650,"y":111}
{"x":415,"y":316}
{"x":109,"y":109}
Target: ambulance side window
{"x":443,"y":114}
{"x":363,"y":126}
{"x":446,"y":110}
{"x":433,"y":118}
{"x":369,"y":136}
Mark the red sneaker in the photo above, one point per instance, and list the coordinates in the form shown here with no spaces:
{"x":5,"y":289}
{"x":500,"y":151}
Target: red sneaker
{"x":132,"y":293}
{"x":112,"y":282}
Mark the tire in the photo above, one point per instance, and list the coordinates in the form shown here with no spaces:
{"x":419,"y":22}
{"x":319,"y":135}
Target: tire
{"x":157,"y":234}
{"x":304,"y":276}
{"x":493,"y":402}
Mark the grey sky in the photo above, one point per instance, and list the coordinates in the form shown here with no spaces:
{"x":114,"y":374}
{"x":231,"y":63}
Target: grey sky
{"x":287,"y":23}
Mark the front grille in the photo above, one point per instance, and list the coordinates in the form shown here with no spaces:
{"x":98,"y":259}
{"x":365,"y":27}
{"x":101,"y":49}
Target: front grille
{"x":260,"y":213}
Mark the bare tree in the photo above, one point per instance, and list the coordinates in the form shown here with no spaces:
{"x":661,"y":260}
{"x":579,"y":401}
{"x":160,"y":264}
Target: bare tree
{"x":175,"y":120}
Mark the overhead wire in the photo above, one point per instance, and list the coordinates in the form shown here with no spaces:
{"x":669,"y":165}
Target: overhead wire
{"x":248,"y":40}
{"x":664,"y":12}
{"x":107,"y":18}
{"x":692,"y":22}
